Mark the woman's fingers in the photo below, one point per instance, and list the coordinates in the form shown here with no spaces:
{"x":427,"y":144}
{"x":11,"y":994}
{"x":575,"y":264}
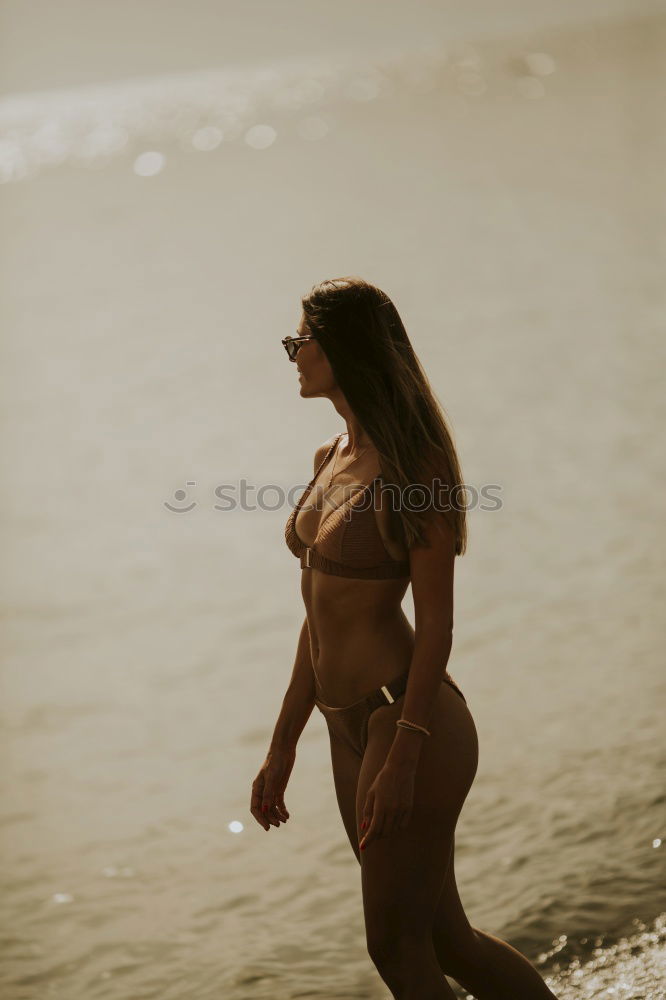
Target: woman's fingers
{"x":273,"y":796}
{"x":383,"y":824}
{"x":272,"y":815}
{"x":372,"y":823}
{"x":366,"y":818}
{"x":373,"y":831}
{"x":282,"y":806}
{"x":255,"y":804}
{"x":267,"y":802}
{"x":270,"y":807}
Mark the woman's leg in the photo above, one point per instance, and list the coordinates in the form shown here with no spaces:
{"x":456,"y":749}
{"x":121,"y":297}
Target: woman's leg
{"x":402,"y":875}
{"x":484,"y":965}
{"x":346,"y":766}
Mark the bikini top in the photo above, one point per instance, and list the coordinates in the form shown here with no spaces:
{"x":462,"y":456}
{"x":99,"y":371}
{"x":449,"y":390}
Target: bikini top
{"x":348,"y":542}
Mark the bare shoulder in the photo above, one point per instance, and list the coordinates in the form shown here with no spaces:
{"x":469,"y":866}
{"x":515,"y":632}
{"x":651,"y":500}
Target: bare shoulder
{"x":320,"y":453}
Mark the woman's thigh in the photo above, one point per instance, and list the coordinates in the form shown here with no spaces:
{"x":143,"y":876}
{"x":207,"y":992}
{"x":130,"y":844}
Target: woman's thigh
{"x":346,"y":768}
{"x":403,"y":873}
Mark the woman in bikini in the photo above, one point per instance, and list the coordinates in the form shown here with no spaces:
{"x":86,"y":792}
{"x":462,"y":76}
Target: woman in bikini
{"x":384,"y":509}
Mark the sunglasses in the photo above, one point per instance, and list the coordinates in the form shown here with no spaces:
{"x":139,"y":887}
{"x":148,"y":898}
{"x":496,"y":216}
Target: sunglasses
{"x":292,"y":345}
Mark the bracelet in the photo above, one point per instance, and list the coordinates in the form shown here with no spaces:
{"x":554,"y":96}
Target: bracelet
{"x":404,"y":724}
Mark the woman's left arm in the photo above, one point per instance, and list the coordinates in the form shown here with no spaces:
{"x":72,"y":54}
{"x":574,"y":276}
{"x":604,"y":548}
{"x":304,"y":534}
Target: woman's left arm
{"x":431,"y":570}
{"x":389,"y":799}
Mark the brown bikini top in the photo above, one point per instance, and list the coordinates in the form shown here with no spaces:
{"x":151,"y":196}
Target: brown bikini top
{"x":348,"y":542}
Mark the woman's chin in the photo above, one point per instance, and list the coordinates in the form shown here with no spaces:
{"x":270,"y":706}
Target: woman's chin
{"x":306,"y":389}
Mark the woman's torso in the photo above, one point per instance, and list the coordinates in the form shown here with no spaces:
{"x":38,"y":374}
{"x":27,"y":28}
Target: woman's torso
{"x":360,"y":637}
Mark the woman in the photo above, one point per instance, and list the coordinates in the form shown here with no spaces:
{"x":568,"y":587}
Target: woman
{"x":403,"y":742}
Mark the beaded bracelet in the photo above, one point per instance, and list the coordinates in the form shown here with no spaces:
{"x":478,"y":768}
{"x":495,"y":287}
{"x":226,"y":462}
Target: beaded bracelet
{"x":404,"y":724}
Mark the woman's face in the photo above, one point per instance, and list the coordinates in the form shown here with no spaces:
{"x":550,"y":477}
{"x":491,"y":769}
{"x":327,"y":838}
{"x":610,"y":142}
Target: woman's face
{"x":315,"y":374}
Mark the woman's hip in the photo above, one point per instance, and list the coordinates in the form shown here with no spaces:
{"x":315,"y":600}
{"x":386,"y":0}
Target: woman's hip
{"x":350,"y":722}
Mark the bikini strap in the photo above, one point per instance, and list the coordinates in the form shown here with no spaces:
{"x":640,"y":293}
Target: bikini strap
{"x":308,"y":488}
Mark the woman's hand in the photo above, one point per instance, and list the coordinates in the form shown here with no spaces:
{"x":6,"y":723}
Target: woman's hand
{"x":267,"y":802}
{"x":388,"y":804}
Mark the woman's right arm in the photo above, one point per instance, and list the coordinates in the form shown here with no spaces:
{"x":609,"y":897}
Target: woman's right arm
{"x":299,"y":699}
{"x":267,"y":801}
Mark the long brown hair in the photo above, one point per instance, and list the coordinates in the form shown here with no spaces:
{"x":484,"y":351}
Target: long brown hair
{"x":375,"y":366}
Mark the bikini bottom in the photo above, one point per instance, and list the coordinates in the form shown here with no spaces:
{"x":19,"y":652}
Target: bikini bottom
{"x":350,"y":722}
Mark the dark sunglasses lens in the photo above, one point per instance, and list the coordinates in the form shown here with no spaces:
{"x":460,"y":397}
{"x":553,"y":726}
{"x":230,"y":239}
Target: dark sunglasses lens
{"x":292,"y":349}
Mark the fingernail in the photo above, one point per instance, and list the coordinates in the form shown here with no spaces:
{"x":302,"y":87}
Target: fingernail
{"x":362,"y":847}
{"x":363,"y":825}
